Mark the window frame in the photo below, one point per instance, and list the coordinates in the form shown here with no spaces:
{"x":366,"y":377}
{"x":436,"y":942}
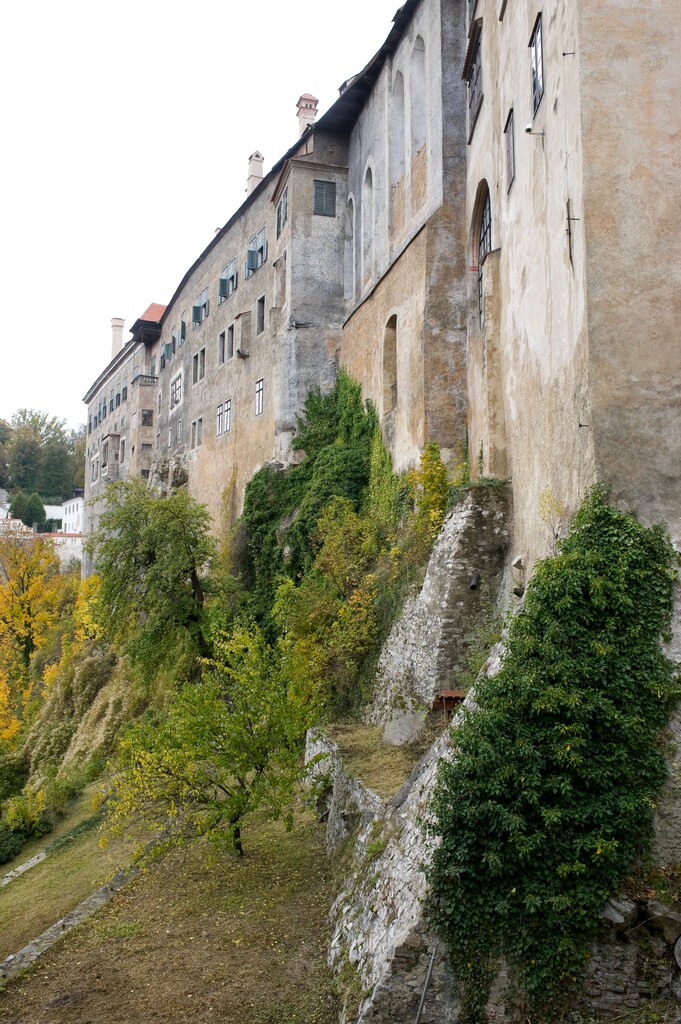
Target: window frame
{"x":176,"y":391}
{"x":509,"y":145}
{"x":218,"y":418}
{"x":200,"y":309}
{"x":536,"y":45}
{"x":259,"y":396}
{"x":324,"y":197}
{"x":257,"y":253}
{"x":228,"y":281}
{"x":282,"y":212}
{"x":484,"y":246}
{"x":474,"y":78}
{"x":227,"y":415}
{"x":260,"y":315}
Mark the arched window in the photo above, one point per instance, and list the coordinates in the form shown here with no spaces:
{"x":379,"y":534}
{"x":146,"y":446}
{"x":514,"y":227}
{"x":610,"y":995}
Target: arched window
{"x":349,"y":250}
{"x":367,"y":227}
{"x":390,"y":365}
{"x":484,"y":244}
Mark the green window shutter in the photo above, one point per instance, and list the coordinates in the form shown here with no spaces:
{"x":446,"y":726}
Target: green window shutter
{"x":251,"y":260}
{"x":325,"y":198}
{"x":222,"y":288}
{"x":196,"y":314}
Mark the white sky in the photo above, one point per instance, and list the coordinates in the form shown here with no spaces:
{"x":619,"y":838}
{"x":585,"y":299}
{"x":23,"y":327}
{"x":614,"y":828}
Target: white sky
{"x":126,"y":129}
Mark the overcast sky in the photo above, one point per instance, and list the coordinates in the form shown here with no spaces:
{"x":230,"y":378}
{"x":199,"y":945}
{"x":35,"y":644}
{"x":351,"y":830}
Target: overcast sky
{"x":126,"y":129}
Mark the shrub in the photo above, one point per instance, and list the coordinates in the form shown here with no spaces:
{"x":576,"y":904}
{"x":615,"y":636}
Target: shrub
{"x":550,"y":796}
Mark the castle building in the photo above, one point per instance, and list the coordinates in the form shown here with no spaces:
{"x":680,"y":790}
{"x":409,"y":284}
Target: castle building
{"x":483,"y":229}
{"x":574,"y":250}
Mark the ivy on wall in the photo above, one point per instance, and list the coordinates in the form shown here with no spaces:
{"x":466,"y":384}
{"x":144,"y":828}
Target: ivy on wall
{"x":551,"y":794}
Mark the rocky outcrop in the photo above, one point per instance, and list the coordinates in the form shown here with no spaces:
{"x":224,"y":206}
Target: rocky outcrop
{"x":428,"y":647}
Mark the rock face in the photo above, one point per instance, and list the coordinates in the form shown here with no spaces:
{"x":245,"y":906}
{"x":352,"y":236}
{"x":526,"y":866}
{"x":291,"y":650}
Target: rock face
{"x":381,"y":944}
{"x":427,"y":648}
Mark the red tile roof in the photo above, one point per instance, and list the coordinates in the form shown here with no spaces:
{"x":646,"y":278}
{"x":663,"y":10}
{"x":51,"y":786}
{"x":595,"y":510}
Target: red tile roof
{"x":154,"y":313}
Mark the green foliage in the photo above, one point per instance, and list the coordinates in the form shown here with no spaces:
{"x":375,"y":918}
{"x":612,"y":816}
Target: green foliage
{"x":42,"y":455}
{"x":152,"y":556}
{"x":228,"y":744}
{"x":281,"y":509}
{"x":10,"y":842}
{"x":18,"y":506}
{"x":551,"y":793}
{"x":35,"y":510}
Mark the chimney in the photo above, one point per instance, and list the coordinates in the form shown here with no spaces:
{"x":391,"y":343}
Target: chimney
{"x":307,"y":110}
{"x":255,"y":162}
{"x":117,"y":326}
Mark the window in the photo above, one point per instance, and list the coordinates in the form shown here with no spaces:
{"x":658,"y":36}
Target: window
{"x":147,"y":447}
{"x":218,"y":430}
{"x":183,"y":329}
{"x":228,"y":414}
{"x":122,"y":459}
{"x":179,"y":431}
{"x":509,"y":141}
{"x":144,"y":474}
{"x":199,"y":366}
{"x":193,"y":444}
{"x":230,"y":341}
{"x":537,"y":65}
{"x":228,"y":281}
{"x":124,"y":394}
{"x":484,"y":245}
{"x":170,"y":437}
{"x":260,"y":315}
{"x":147,"y":417}
{"x":105,"y":454}
{"x":259,"y":389}
{"x":118,"y":399}
{"x":257,"y":253}
{"x":473,"y":75}
{"x":221,"y":348}
{"x":200,"y":310}
{"x":176,"y":391}
{"x":282,"y":212}
{"x":324,"y":198}
{"x":111,"y":404}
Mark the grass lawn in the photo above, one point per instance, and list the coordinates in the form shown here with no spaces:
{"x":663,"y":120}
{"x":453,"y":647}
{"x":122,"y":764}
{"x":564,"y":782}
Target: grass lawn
{"x":379,"y":765}
{"x":200,"y":936}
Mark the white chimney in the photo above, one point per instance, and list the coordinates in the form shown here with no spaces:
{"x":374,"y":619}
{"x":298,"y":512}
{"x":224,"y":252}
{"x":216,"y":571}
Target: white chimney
{"x":307,"y":110}
{"x":255,"y":162}
{"x":117,"y":326}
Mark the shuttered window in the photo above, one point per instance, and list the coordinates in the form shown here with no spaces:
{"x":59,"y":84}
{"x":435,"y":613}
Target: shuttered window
{"x":325,"y":198}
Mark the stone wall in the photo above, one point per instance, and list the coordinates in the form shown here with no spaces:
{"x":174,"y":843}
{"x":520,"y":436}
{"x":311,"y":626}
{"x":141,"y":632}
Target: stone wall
{"x":429,"y":645}
{"x":381,"y":943}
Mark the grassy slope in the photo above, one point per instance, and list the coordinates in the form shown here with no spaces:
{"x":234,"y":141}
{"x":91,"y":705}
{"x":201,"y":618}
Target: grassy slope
{"x":199,"y":937}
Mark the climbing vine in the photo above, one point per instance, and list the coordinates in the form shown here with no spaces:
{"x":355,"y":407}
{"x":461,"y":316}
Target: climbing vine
{"x":551,"y":794}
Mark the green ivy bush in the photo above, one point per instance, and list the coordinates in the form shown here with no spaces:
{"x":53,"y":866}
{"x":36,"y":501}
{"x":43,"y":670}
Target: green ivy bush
{"x":551,"y":795}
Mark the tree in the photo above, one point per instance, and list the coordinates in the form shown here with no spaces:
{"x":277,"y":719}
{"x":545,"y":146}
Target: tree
{"x":229,"y":744}
{"x":30,"y":590}
{"x":153,"y":555}
{"x":18,"y":506}
{"x":35,"y":510}
{"x":41,"y":455}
